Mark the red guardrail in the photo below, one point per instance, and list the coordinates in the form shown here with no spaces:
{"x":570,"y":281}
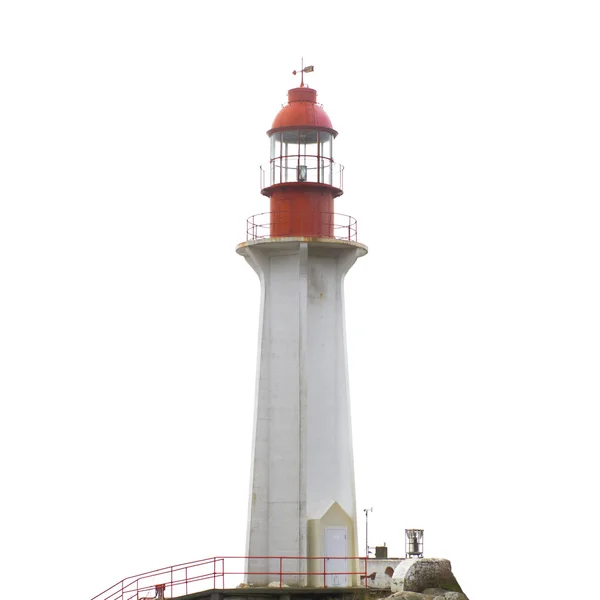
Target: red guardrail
{"x":212,"y":573}
{"x":340,"y":227}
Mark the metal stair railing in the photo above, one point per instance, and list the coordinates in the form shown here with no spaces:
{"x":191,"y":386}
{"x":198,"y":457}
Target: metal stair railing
{"x":210,"y":573}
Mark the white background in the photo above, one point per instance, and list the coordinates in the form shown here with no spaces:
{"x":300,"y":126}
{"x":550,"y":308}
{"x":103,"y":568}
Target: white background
{"x":130,"y":138}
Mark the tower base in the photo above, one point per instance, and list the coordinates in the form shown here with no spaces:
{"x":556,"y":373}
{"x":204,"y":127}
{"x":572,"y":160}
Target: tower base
{"x":302,"y":498}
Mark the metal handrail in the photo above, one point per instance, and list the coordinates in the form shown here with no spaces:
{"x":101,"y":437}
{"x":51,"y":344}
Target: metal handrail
{"x":343,"y":227}
{"x":285,"y":169}
{"x":179,"y":579}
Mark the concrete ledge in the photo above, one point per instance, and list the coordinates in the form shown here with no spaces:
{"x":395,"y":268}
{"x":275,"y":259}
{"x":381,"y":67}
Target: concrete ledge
{"x":289,"y":593}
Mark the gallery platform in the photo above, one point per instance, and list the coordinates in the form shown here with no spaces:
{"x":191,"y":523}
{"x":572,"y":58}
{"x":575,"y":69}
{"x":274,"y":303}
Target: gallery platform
{"x":289,"y":593}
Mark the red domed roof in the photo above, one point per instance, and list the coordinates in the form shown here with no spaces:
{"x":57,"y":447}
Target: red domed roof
{"x":302,"y":110}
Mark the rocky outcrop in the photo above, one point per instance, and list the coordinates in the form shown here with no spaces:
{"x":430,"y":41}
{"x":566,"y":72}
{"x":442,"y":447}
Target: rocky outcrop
{"x":440,"y":595}
{"x":425,"y":579}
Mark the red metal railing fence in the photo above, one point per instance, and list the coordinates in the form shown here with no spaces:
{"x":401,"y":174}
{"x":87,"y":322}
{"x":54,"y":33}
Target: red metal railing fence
{"x":342,"y":227}
{"x":213,"y":573}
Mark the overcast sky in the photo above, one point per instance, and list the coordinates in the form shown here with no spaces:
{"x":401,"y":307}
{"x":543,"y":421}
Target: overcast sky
{"x":130,"y":139}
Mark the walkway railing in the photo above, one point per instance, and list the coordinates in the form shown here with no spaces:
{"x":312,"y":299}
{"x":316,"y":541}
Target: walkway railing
{"x":283,"y":223}
{"x":302,"y":168}
{"x":227,"y":572}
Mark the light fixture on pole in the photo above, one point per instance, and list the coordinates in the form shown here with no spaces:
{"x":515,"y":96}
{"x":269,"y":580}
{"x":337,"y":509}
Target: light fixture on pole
{"x":367,"y":511}
{"x":414,"y":543}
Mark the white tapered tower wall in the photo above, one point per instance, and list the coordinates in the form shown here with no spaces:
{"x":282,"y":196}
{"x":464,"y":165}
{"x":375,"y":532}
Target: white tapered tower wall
{"x":302,"y":461}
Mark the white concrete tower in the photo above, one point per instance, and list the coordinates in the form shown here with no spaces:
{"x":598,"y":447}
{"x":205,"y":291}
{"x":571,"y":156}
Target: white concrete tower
{"x":302,"y":497}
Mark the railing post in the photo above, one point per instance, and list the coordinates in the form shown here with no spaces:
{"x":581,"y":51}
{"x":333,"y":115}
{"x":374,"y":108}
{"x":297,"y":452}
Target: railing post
{"x":366,"y":568}
{"x":171,"y":582}
{"x":214,"y":572}
{"x":280,"y":571}
{"x":186,"y":581}
{"x":324,"y":571}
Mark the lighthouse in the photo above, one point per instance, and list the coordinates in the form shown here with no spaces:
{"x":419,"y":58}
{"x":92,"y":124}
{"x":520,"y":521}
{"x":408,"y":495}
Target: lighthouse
{"x":302,"y":496}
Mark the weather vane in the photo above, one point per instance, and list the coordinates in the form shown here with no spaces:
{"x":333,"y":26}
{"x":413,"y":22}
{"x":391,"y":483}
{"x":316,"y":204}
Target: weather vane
{"x":304,"y":69}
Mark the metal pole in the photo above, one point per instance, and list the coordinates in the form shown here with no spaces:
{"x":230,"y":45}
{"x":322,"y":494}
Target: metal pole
{"x":367,"y":511}
{"x":367,"y":534}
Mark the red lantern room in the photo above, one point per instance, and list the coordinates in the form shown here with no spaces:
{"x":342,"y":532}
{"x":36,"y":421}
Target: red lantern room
{"x":301,"y":179}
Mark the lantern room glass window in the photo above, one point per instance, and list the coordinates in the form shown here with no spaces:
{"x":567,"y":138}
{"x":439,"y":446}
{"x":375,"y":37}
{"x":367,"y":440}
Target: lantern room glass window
{"x":301,"y":155}
{"x":275,"y":145}
{"x":326,"y":144}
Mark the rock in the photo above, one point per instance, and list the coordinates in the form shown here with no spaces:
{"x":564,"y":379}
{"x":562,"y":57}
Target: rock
{"x":442,"y":594}
{"x":276,"y":584}
{"x":410,"y":596}
{"x":419,"y":574}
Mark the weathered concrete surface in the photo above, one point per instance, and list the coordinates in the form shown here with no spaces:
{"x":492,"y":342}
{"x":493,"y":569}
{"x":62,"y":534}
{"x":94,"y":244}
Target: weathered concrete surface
{"x":303,"y":499}
{"x":430,"y":577}
{"x":379,"y":572}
